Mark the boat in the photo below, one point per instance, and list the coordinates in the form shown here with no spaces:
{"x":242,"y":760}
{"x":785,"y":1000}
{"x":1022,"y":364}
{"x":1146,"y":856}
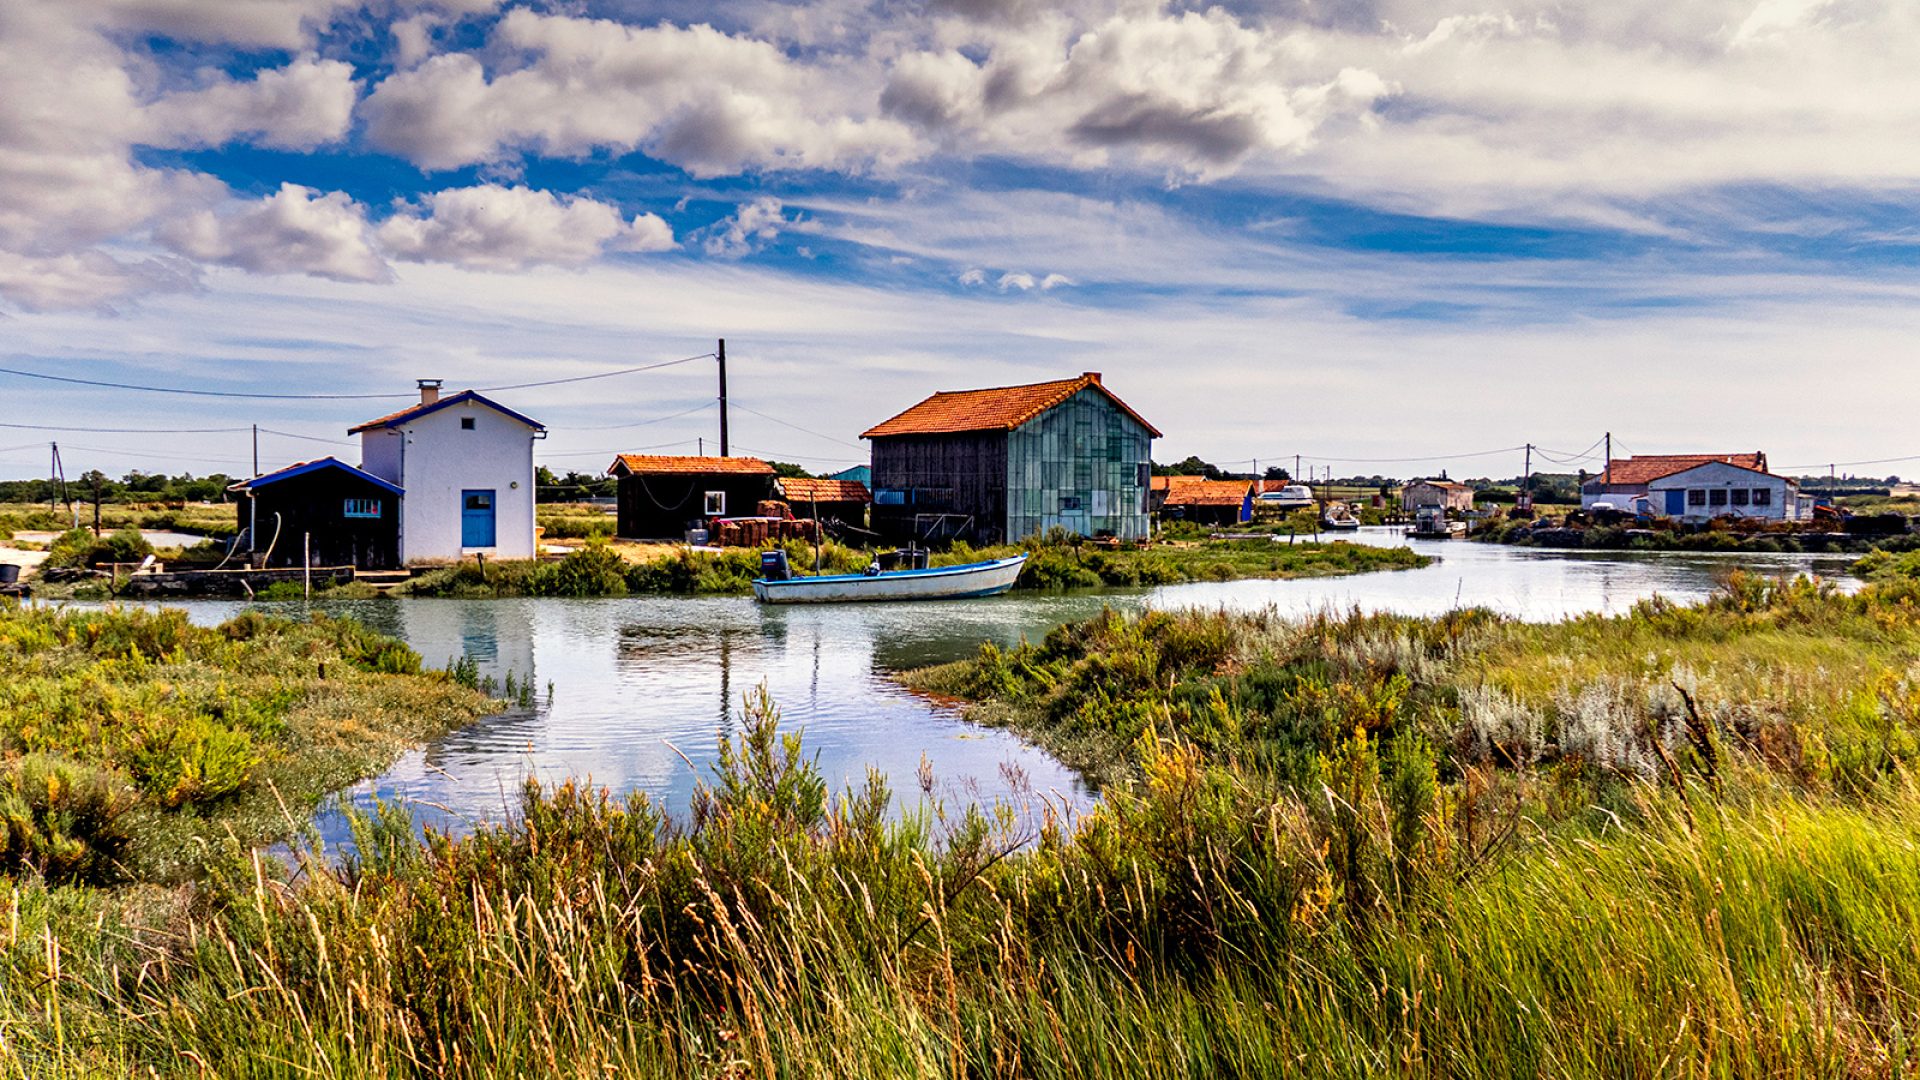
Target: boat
{"x":1430,"y":523}
{"x":1339,"y":518}
{"x":1291,"y":497}
{"x":777,"y":585}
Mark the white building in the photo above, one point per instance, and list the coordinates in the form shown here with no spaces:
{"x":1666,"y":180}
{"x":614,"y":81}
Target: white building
{"x":1718,"y":489}
{"x":466,"y":465}
{"x":1445,"y":494}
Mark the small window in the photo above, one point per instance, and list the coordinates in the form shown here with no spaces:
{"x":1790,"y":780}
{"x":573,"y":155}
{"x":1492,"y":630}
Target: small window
{"x":1762,"y":497}
{"x":716,"y":504}
{"x":362,"y":508}
{"x":1717,"y":497}
{"x":466,"y":423}
{"x":1069,"y":502}
{"x":1740,"y":496}
{"x":1696,"y":497}
{"x":1143,"y":474}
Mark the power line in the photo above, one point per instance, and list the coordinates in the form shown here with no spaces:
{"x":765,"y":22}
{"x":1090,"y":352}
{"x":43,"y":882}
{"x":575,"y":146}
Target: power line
{"x":702,"y":407}
{"x":331,"y":397}
{"x":619,"y":450}
{"x":129,"y":430}
{"x":776,"y":455}
{"x":786,"y":423}
{"x":309,"y":438}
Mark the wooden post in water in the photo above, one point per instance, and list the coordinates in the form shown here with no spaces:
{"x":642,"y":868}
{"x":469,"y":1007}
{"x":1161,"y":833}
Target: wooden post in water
{"x":306,"y":563}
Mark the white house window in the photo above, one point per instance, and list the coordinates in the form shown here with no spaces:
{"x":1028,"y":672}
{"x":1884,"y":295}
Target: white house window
{"x":716,"y":503}
{"x":1762,"y":497}
{"x":1740,"y":496}
{"x":1696,"y":497}
{"x":362,"y":508}
{"x":1717,"y":497}
{"x":466,"y":423}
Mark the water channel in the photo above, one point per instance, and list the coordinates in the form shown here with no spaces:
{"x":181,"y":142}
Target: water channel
{"x":641,"y":687}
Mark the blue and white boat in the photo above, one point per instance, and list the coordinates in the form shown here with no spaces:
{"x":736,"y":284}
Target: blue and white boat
{"x":938,"y":583}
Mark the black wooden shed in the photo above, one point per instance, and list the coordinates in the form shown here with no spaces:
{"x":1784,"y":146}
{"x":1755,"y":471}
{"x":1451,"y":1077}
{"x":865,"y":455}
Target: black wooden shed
{"x":662,"y":496}
{"x":341,"y":515}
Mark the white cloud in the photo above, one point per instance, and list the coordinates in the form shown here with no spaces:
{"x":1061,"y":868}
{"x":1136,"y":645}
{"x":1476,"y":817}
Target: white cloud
{"x":752,"y":225}
{"x":86,"y":279}
{"x":1015,"y":279}
{"x":303,"y":105}
{"x":506,"y":228}
{"x":1054,"y":281}
{"x":701,"y":99}
{"x":293,"y":231}
{"x":974,"y":276}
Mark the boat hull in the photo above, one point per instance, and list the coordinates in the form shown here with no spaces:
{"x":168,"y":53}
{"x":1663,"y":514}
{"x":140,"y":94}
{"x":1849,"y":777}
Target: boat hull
{"x":943,"y":583}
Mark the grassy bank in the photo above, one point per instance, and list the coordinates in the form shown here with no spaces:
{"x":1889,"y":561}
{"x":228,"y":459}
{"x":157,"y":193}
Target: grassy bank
{"x":1800,"y":538}
{"x":1056,"y":564}
{"x":1679,"y":842}
{"x":211,"y":519}
{"x":132,"y":741}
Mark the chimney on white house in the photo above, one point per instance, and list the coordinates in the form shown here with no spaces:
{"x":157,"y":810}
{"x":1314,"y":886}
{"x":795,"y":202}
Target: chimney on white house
{"x":429,"y":390}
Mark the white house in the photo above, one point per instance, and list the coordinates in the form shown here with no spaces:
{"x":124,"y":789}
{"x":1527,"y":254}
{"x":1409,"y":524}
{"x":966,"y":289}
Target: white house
{"x":1623,"y":482}
{"x":1717,"y":489}
{"x":466,"y":464}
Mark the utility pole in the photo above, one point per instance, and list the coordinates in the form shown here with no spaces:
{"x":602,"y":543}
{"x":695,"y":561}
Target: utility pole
{"x":1607,"y":478}
{"x":1296,"y":468}
{"x":723,"y":397}
{"x":253,"y":505}
{"x":1526,"y":481}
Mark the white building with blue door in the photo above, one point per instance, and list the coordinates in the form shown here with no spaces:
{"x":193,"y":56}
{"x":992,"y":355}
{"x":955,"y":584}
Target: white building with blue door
{"x":466,"y":464}
{"x":1717,"y":489}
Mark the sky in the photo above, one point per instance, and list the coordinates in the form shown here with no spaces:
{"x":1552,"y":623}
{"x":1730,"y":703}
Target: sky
{"x":1388,"y":236}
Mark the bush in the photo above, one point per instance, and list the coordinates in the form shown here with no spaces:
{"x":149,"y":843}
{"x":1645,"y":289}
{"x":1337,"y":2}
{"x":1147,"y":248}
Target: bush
{"x":62,"y":820}
{"x":79,"y":547}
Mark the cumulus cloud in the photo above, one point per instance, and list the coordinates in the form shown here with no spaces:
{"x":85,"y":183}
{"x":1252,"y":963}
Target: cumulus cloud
{"x":297,"y":107}
{"x":709,"y":102}
{"x":293,"y":231}
{"x":1016,"y":279}
{"x":751,"y":226}
{"x":491,"y":227}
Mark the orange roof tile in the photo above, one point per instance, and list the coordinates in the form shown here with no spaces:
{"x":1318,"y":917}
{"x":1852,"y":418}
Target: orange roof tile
{"x":1646,"y":468}
{"x":1000,"y":408}
{"x":800,"y":489}
{"x":1199,"y":491}
{"x":444,"y":402}
{"x":689,"y":465}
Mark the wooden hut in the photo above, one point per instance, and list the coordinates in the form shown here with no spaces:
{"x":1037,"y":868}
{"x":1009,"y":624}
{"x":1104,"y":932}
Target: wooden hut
{"x":661,"y":496}
{"x":1011,"y":461}
{"x":1202,"y":501}
{"x":343,"y":516}
{"x":844,"y":501}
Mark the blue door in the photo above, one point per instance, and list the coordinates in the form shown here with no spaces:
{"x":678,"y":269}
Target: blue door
{"x":476,"y":519}
{"x":1676,"y":503}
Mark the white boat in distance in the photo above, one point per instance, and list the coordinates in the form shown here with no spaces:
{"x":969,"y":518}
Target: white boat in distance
{"x":939,"y":583}
{"x":1291,"y":497}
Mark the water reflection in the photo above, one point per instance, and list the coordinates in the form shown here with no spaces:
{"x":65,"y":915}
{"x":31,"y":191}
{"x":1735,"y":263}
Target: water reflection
{"x":642,"y":687}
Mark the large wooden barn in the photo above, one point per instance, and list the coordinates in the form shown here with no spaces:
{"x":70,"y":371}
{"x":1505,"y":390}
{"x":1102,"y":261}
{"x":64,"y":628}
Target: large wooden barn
{"x":341,"y":515}
{"x":1011,"y":461}
{"x":661,"y":496}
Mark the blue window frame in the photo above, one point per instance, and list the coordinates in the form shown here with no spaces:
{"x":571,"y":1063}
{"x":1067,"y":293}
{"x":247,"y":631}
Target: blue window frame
{"x":362,"y":508}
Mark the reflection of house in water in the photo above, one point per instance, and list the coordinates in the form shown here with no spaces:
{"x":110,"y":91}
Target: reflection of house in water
{"x":496,"y":634}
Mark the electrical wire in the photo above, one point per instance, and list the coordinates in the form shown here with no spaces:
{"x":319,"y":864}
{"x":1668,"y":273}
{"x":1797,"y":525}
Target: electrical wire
{"x":794,"y":426}
{"x":130,"y":430}
{"x":619,"y":450}
{"x":643,"y":423}
{"x":333,"y":397}
{"x":309,"y":438}
{"x":776,"y":455}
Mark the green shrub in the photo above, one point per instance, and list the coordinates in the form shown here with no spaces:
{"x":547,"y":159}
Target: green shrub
{"x":62,"y":820}
{"x":79,"y":547}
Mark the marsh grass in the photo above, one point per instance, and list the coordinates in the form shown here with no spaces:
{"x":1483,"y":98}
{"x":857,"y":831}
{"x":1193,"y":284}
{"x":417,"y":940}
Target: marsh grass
{"x":1317,"y":854}
{"x":132,"y":739}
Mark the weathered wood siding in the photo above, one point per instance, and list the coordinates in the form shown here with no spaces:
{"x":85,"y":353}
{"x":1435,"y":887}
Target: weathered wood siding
{"x":962,"y":474}
{"x":665,"y":506}
{"x":313,"y":506}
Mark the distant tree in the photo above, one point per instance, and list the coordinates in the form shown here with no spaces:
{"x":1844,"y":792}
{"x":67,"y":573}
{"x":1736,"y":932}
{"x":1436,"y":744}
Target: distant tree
{"x":1192,"y":466}
{"x":1275,"y":472}
{"x":789,"y":469}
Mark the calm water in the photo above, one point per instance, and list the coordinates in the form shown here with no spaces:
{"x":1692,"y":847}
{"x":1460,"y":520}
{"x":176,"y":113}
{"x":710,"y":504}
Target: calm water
{"x":642,"y":687}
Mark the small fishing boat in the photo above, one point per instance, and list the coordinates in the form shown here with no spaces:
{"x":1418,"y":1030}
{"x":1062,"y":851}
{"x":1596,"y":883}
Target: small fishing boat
{"x":1339,"y":518}
{"x":1430,"y":523}
{"x":778,"y":585}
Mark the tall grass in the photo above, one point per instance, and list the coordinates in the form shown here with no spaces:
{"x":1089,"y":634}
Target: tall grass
{"x":1317,"y":855}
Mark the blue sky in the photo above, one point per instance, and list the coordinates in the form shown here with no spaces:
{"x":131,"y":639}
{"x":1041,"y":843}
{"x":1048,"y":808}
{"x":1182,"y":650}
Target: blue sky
{"x":1385,"y":235}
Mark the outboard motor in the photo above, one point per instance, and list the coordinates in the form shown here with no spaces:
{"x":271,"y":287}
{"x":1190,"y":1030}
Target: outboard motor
{"x":773,"y":566}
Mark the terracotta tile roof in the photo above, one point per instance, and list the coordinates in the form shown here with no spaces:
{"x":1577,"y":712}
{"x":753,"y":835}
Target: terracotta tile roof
{"x":799,"y":490}
{"x":1445,"y":485}
{"x":1199,"y":491}
{"x":1000,"y":408}
{"x":411,"y":412}
{"x":1646,"y":468}
{"x":672,"y":465}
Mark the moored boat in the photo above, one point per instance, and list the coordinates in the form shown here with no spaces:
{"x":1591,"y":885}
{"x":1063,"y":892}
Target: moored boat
{"x":937,"y":583}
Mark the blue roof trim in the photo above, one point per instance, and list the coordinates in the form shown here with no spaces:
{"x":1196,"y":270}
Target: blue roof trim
{"x":422,"y":410}
{"x":292,"y":471}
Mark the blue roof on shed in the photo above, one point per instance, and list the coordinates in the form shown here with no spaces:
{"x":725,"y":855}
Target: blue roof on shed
{"x":305,"y":467}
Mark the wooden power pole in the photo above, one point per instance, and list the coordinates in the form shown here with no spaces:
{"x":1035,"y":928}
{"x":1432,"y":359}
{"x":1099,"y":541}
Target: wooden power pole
{"x":722,"y":355}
